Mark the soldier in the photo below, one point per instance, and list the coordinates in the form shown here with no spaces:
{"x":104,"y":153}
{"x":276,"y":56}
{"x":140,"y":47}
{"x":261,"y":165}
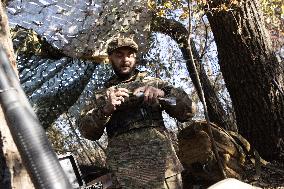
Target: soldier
{"x":140,"y":152}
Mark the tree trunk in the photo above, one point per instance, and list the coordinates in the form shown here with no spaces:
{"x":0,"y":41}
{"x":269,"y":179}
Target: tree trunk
{"x":179,"y":33}
{"x":12,"y":172}
{"x":253,"y":76}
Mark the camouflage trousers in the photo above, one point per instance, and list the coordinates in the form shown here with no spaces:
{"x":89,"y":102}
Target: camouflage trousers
{"x":144,"y":158}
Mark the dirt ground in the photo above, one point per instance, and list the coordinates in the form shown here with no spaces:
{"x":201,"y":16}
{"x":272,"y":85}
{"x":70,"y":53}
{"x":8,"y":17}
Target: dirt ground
{"x":271,"y":176}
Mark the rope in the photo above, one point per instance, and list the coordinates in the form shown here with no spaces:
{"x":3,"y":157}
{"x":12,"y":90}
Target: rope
{"x":199,"y":88}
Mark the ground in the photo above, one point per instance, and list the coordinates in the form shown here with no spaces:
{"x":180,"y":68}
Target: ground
{"x":271,"y":177}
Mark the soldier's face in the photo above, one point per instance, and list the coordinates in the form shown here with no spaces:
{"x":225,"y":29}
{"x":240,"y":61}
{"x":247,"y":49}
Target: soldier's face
{"x":123,"y":61}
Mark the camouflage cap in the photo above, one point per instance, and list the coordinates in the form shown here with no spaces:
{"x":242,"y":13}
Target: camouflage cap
{"x":121,"y":42}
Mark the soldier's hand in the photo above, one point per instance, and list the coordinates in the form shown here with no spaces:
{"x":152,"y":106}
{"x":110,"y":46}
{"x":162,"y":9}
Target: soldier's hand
{"x":151,"y":94}
{"x":115,"y":97}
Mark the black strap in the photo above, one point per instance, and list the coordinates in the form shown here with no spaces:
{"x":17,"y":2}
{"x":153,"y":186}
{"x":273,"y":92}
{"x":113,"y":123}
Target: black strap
{"x":123,"y":121}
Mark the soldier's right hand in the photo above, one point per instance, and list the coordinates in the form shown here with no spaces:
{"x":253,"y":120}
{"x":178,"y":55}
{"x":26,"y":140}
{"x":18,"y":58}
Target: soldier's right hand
{"x":115,"y":97}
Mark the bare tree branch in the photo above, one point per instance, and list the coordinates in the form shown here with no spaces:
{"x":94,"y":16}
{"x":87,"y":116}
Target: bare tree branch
{"x":179,"y":33}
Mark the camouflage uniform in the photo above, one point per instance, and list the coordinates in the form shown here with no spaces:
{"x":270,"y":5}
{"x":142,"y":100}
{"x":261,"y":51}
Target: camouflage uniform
{"x":140,"y":152}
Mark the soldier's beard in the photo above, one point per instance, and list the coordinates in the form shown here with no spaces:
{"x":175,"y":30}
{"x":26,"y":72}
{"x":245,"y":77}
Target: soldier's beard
{"x":123,"y":75}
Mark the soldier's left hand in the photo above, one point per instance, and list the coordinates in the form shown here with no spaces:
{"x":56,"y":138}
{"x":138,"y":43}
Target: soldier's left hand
{"x":151,"y":94}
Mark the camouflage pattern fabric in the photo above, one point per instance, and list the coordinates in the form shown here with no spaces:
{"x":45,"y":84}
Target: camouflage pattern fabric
{"x":143,"y":159}
{"x":121,"y":42}
{"x":143,"y":156}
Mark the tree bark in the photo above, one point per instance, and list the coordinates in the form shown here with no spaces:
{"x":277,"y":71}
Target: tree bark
{"x":12,"y":172}
{"x":179,"y":33}
{"x":253,"y":76}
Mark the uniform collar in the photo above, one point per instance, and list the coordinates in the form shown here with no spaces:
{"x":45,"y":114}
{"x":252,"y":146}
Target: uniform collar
{"x":114,"y":80}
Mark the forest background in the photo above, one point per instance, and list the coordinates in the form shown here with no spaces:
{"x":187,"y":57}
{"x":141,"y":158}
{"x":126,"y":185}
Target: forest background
{"x":236,"y":45}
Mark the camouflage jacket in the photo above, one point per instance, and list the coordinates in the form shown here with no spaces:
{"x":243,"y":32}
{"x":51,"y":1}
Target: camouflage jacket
{"x":92,"y":121}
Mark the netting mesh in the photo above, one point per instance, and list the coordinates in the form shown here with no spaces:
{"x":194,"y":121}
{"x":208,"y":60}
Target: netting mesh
{"x":82,"y":28}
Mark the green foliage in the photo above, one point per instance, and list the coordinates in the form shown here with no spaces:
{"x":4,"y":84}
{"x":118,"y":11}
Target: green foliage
{"x":163,"y":8}
{"x":273,"y":11}
{"x":57,"y":139}
{"x":27,"y":41}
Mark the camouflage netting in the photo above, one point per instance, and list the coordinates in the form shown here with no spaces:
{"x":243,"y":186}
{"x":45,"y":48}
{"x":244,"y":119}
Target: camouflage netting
{"x":82,"y":28}
{"x":53,"y":38}
{"x":198,"y":158}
